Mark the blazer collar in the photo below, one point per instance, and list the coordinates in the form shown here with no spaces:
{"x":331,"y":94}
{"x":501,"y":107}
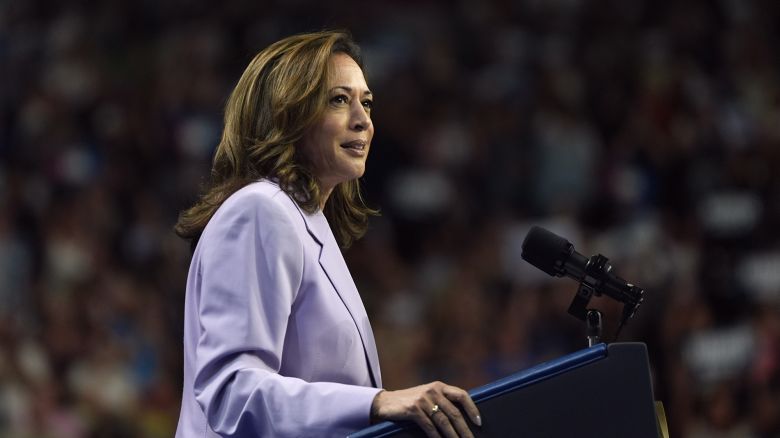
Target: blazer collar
{"x":332,"y":262}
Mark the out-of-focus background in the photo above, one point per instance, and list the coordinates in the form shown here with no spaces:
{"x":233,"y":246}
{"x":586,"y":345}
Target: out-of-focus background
{"x":648,"y":131}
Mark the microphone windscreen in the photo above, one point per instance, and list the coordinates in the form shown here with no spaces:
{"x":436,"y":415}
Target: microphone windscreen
{"x":546,"y":250}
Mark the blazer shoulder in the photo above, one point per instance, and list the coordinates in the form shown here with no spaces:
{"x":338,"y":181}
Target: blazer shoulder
{"x":261,"y":200}
{"x":261,"y":197}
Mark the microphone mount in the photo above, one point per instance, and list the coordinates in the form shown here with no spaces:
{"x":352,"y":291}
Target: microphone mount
{"x":596,"y":281}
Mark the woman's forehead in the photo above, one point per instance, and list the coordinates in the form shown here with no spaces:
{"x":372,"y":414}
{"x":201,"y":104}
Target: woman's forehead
{"x":346,"y":73}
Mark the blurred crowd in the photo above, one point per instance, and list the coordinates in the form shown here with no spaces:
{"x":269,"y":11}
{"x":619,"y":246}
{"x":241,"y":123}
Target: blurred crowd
{"x":647,"y":131}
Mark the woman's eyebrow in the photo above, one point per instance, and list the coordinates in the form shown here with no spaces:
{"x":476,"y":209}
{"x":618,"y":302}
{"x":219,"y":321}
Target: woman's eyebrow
{"x":349,"y":90}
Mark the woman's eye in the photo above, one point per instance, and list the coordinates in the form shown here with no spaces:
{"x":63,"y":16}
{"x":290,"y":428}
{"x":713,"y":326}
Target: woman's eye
{"x":368,"y":104}
{"x":341,"y":98}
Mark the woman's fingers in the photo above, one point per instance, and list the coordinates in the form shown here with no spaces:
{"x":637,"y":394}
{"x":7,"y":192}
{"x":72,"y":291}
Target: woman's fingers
{"x":444,"y":423}
{"x":434,"y":407}
{"x":426,"y":424}
{"x":464,"y":399}
{"x":455,"y":420}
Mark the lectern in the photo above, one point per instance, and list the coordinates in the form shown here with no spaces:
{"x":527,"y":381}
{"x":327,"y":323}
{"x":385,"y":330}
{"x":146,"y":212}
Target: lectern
{"x":603,"y":391}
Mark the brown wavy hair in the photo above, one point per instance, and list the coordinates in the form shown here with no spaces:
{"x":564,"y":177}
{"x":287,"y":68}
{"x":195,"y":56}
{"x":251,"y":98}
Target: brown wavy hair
{"x":280,"y":95}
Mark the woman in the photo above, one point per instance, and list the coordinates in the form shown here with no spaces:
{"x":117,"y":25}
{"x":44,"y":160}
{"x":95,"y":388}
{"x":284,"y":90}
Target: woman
{"x":276,"y":339}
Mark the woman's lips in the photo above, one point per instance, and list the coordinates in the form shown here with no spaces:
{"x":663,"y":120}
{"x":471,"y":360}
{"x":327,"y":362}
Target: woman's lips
{"x":358,"y":145}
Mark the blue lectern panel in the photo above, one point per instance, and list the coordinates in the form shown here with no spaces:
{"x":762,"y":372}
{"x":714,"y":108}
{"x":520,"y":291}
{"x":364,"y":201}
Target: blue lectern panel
{"x":505,"y":385}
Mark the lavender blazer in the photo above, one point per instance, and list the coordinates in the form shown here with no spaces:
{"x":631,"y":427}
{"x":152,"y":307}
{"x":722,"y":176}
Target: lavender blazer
{"x":276,"y":340}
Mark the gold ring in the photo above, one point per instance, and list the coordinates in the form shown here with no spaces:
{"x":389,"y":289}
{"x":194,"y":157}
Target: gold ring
{"x":434,"y":410}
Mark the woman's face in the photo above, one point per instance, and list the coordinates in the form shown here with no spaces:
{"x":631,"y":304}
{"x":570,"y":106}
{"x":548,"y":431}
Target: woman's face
{"x":337,"y":145}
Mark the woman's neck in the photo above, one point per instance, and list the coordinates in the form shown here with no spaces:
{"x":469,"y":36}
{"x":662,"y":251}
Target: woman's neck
{"x":325,"y":192}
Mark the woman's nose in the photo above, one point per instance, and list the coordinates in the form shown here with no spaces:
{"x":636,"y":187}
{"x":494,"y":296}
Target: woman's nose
{"x":360,"y":118}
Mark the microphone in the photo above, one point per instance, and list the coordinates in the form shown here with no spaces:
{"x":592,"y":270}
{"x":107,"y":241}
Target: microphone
{"x":556,"y":256}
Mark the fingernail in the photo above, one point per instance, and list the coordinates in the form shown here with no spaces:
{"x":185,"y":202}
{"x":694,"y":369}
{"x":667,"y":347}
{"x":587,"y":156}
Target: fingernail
{"x":478,"y":420}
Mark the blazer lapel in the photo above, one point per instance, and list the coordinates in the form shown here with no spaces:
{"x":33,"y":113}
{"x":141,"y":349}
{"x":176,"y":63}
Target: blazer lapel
{"x":332,"y":262}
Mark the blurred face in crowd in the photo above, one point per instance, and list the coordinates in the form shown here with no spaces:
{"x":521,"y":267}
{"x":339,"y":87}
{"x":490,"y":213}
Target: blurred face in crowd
{"x":336,"y":147}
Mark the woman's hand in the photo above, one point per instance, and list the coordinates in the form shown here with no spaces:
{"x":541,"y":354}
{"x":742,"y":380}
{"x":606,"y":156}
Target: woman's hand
{"x":431,"y":407}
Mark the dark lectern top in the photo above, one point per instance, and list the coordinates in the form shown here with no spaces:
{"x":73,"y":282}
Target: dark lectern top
{"x":602,"y":391}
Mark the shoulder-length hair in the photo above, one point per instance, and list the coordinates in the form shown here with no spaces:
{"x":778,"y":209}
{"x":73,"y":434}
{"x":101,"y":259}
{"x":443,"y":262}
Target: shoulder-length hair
{"x":280,"y":95}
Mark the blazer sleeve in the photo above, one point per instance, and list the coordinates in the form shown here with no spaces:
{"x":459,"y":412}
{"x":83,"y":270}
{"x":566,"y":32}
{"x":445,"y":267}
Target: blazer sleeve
{"x":251,"y":268}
